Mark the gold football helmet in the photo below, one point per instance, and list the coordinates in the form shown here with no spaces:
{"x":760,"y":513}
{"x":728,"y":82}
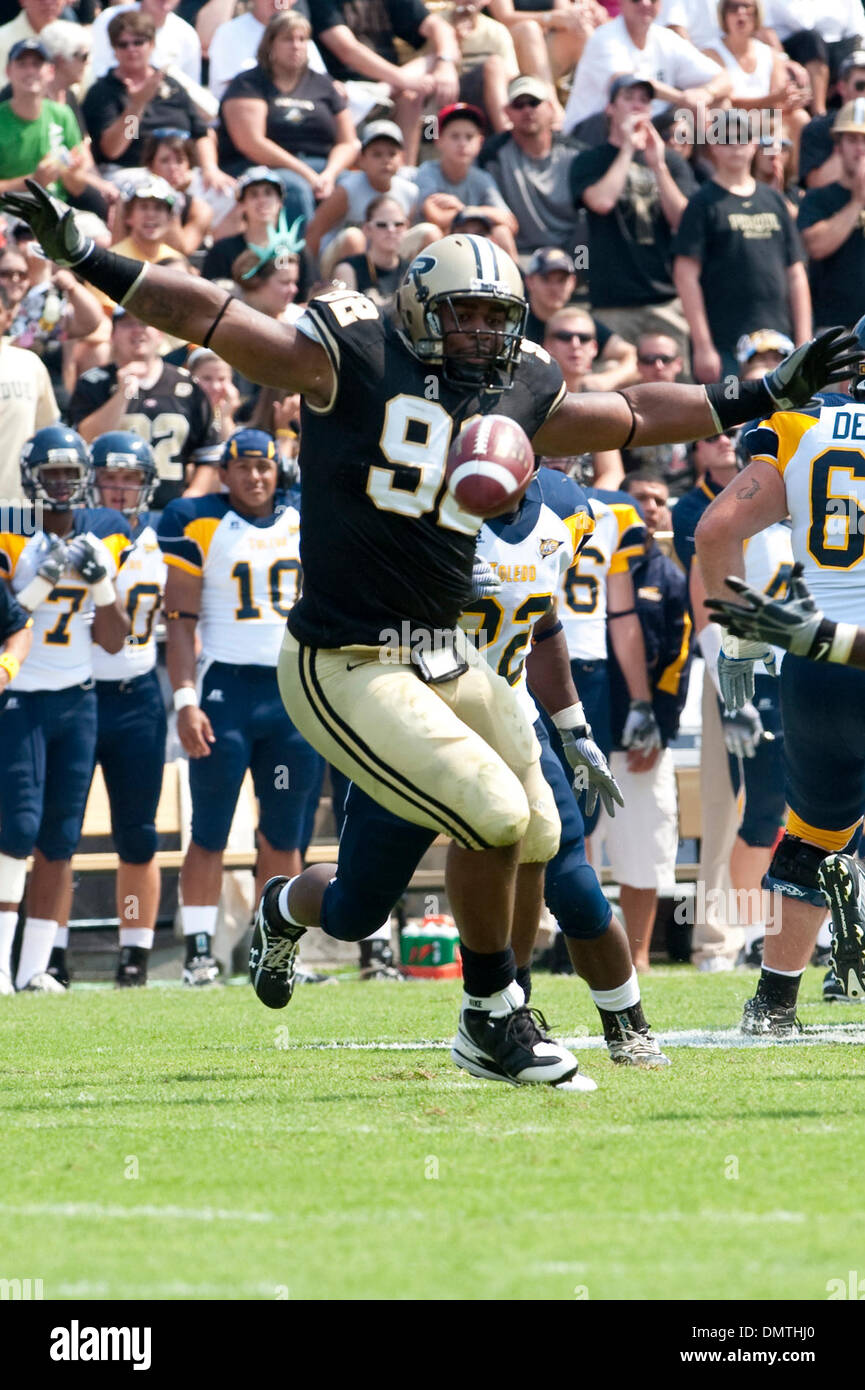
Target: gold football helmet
{"x":456,"y":269}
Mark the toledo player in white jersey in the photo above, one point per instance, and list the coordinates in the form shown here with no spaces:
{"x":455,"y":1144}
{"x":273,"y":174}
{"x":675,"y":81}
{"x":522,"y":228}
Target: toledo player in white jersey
{"x":130,"y":744}
{"x":597,"y":589}
{"x":64,"y":576}
{"x":234,"y":572}
{"x":807,"y":463}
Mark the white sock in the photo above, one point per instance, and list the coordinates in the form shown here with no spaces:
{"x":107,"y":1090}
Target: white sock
{"x":824,"y":935}
{"x":139,"y":936}
{"x":505,"y":1002}
{"x":8,"y":923}
{"x":753,"y":934}
{"x":197,"y":919}
{"x":36,"y":946}
{"x":282,"y":902}
{"x":790,"y":974}
{"x":62,"y":938}
{"x":615,"y":1001}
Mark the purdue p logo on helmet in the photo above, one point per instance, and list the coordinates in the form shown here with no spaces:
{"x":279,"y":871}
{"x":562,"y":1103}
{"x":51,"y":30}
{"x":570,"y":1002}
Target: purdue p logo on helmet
{"x":461,"y":268}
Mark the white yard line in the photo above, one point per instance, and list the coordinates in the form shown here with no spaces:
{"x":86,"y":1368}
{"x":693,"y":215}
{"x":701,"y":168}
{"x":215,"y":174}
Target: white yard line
{"x":813,"y":1036}
{"x":116,"y":1211}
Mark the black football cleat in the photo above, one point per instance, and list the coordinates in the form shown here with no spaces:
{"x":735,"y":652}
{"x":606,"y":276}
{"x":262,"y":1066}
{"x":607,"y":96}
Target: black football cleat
{"x":57,"y":967}
{"x":131,"y":968}
{"x":512,"y":1047}
{"x":273,"y":952}
{"x":843,"y":883}
{"x":764,"y":1020}
{"x":834,"y":992}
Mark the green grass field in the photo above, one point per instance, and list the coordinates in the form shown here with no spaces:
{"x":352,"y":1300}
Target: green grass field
{"x":171,"y":1145}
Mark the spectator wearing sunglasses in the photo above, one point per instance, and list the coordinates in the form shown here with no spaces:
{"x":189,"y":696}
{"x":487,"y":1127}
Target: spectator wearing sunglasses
{"x":531,"y":166}
{"x":379,"y":271}
{"x":453,"y":181}
{"x":774,"y":165}
{"x":635,"y":191}
{"x":571,"y":340}
{"x":136,"y":98}
{"x":551,"y":283}
{"x":819,"y":160}
{"x":659,"y":359}
{"x":176,"y":43}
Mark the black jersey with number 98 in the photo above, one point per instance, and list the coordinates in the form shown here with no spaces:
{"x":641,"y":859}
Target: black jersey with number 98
{"x":382,"y":540}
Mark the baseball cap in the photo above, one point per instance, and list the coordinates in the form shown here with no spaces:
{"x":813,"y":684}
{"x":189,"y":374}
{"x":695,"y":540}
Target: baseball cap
{"x":381,"y":130}
{"x":150,"y":188}
{"x":461,"y":109}
{"x":469,"y":214}
{"x":853,"y":60}
{"x":27,"y":46}
{"x":763,"y":340}
{"x":528,"y":87}
{"x":548,"y":259}
{"x":627,"y":80}
{"x":257,"y":174}
{"x":851,"y":118}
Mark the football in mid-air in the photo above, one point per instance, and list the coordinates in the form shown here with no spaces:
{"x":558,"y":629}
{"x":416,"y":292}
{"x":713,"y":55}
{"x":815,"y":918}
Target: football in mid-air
{"x":490,"y":465}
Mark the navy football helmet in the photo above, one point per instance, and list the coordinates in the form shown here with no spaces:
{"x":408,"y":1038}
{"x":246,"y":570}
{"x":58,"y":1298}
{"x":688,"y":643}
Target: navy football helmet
{"x":122,"y":451}
{"x":857,"y":385}
{"x":54,"y":468}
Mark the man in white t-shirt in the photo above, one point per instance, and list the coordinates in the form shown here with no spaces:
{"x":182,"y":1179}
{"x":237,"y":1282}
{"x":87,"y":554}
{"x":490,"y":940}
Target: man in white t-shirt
{"x":176,"y":44}
{"x":636,"y":43}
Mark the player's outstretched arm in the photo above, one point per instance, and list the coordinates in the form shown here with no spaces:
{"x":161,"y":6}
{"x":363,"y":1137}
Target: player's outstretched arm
{"x":666,"y":413}
{"x":267,"y":352}
{"x":794,"y":623}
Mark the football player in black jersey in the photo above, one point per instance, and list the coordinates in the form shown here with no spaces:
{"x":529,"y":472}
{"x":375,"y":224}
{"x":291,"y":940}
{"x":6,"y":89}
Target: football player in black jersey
{"x":387,"y":558}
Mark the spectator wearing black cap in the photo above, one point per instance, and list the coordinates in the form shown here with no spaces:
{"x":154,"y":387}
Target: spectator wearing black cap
{"x":819,"y":160}
{"x":551,"y":281}
{"x":453,"y":181}
{"x":739,"y":262}
{"x":531,"y":165}
{"x":831,"y":223}
{"x":635,"y":191}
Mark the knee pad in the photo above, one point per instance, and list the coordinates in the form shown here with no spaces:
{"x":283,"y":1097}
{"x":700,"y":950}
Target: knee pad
{"x":349,"y":915}
{"x":135,"y":844}
{"x":793,"y":871}
{"x":573,"y":895}
{"x":13,"y":875}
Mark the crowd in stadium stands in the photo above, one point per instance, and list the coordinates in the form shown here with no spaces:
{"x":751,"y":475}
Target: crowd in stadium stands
{"x":682,"y":183}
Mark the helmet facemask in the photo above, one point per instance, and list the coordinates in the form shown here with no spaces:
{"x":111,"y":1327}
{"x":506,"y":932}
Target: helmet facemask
{"x":121,"y":466}
{"x":58,"y":493}
{"x":498,"y":348}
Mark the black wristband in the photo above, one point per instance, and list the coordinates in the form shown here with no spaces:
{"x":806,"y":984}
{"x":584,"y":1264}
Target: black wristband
{"x":822,"y":644}
{"x":547,"y":632}
{"x":751,"y":401}
{"x":114,"y":275}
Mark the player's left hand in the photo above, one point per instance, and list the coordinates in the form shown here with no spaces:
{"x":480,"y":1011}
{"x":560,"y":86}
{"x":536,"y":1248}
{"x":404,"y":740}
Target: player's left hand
{"x":641,"y":728}
{"x":832,"y":356}
{"x":51,"y":222}
{"x":743,"y":730}
{"x":736,"y":664}
{"x":792,"y":622}
{"x":485,"y":580}
{"x":591,"y":769}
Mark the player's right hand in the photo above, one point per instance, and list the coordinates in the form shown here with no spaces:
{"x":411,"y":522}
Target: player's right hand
{"x":743,"y":730}
{"x":591,"y":770}
{"x":736,"y":663}
{"x":195,"y":732}
{"x":833,"y":355}
{"x":91,"y":558}
{"x":51,"y":222}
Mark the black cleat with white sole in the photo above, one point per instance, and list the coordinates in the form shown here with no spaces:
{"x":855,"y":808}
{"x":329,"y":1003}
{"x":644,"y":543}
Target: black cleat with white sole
{"x":762,"y":1019}
{"x":843,"y":883}
{"x":273,"y":951}
{"x":512,"y":1047}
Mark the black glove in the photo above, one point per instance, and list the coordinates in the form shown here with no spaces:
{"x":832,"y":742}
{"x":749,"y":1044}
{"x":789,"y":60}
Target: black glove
{"x":51,"y":222}
{"x":832,"y":356}
{"x":792,"y":622}
{"x":91,"y":560}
